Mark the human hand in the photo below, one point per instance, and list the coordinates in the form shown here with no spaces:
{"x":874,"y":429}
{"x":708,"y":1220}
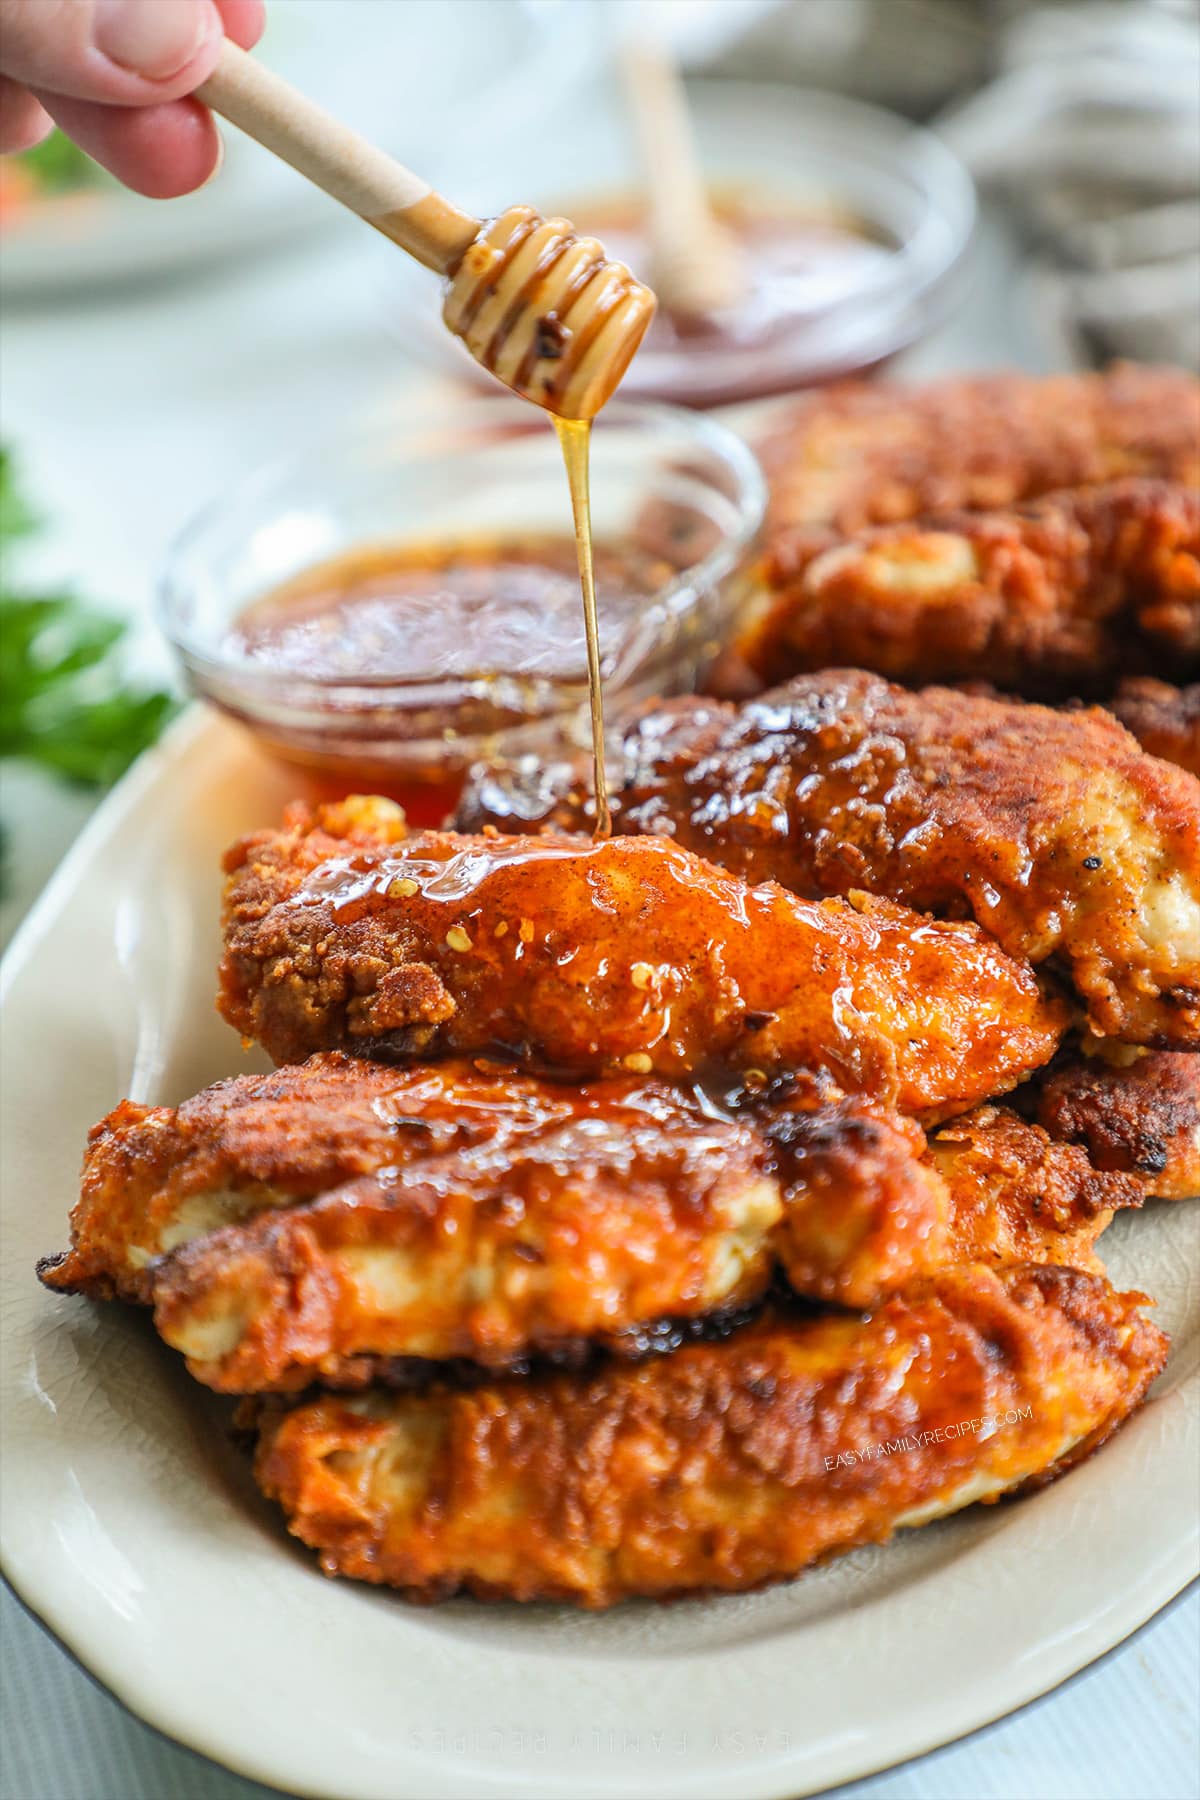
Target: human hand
{"x":115,"y":75}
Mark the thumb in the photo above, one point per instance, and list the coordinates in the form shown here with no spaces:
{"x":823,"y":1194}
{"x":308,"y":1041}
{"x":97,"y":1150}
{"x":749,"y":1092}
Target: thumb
{"x":119,"y":52}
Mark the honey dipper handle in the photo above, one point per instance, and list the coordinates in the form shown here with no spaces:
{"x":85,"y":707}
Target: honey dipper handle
{"x":384,"y":193}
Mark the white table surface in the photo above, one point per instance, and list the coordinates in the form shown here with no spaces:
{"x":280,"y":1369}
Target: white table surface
{"x":125,"y":415}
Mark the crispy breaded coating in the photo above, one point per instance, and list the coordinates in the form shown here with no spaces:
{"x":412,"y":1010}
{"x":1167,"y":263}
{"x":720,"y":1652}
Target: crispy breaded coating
{"x":474,"y":1213}
{"x":862,"y":1213}
{"x":1143,"y":1116}
{"x":1018,"y":1196}
{"x":876,"y":453}
{"x":866,"y":1209}
{"x":156,"y":1177}
{"x":1164,"y":719}
{"x":1056,"y":598}
{"x":293,"y":1225}
{"x":629,"y":954}
{"x":723,"y":1466}
{"x":1054,"y":830}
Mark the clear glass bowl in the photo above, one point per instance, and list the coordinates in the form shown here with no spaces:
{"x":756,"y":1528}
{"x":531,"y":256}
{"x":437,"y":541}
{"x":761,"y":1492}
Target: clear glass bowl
{"x":663,"y":481}
{"x":808,"y":151}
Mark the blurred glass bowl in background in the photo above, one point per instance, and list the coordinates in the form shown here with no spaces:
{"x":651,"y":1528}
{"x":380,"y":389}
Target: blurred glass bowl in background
{"x":856,"y":223}
{"x":270,"y":584}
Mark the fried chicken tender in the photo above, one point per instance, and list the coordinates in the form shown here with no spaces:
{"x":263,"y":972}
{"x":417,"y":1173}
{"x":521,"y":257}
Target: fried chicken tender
{"x":723,"y":1466}
{"x":874,"y":453}
{"x":1057,"y":598}
{"x":1018,"y":1196}
{"x":314,"y":1220}
{"x":1164,"y":719}
{"x":862,"y":1212}
{"x":1143,"y":1117}
{"x":866,"y":1211}
{"x":1055,"y":830}
{"x":630,"y":954}
{"x":336,"y":1219}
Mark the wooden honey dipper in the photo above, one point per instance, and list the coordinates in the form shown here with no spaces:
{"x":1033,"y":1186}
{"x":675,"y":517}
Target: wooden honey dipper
{"x":539,"y":307}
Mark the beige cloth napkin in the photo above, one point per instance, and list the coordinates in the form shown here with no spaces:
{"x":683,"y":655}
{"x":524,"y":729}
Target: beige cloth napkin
{"x":1091,"y":132}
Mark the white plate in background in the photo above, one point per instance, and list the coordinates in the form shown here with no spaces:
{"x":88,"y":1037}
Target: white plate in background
{"x":429,"y":81}
{"x":131,"y":1527}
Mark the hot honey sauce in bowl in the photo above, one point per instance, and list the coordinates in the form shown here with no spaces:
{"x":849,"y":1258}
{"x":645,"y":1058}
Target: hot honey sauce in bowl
{"x":406,"y":600}
{"x":487,"y":632}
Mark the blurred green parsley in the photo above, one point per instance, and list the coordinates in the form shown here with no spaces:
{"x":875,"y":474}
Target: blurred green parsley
{"x":65,"y":702}
{"x":60,"y":167}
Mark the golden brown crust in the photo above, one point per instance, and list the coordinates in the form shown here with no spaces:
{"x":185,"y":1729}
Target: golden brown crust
{"x":492,"y":1217}
{"x":1165,"y":720}
{"x":631,"y":953}
{"x":1017,"y":1196}
{"x":869,"y":1206}
{"x":1143,"y":1117}
{"x":366,"y":1281}
{"x":301,"y":1224}
{"x":721,"y":1467}
{"x":863,"y":1213}
{"x":872,"y":453}
{"x":290,"y":1135}
{"x":1054,"y":830}
{"x":1059,"y":597}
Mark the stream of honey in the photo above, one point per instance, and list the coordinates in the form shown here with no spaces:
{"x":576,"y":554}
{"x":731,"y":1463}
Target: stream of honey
{"x":575,"y":437}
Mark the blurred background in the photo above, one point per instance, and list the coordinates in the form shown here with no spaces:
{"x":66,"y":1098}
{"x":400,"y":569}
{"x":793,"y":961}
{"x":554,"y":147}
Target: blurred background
{"x":153,"y":353}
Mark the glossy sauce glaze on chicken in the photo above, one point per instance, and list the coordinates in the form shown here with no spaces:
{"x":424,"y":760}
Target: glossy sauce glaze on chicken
{"x":1055,"y":831}
{"x":1036,"y":534}
{"x":336,"y":1214}
{"x":702,"y":1202}
{"x":631,"y":954}
{"x":340,"y":1219}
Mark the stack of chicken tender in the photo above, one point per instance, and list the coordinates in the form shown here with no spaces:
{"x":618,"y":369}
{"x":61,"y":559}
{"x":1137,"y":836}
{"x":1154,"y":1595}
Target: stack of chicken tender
{"x":661,"y":1215}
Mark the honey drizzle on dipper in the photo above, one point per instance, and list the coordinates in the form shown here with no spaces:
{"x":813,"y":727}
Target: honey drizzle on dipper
{"x":538,"y":306}
{"x":546,"y":312}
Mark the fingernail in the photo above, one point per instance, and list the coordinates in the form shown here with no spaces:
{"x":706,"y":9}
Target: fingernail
{"x":155,"y":38}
